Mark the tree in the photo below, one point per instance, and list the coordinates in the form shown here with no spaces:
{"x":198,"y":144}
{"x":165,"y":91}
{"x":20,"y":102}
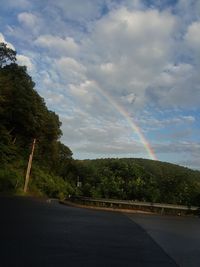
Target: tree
{"x":22,"y":109}
{"x":62,"y":159}
{"x":25,"y":117}
{"x":7,"y":55}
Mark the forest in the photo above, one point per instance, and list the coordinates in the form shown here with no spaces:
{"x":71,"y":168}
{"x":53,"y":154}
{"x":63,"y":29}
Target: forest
{"x":139,"y":180}
{"x":24,"y":117}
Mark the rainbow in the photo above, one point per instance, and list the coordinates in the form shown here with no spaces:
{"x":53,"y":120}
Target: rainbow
{"x":129,"y":120}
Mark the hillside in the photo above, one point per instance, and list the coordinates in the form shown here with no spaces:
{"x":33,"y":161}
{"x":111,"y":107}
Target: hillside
{"x":140,"y":179}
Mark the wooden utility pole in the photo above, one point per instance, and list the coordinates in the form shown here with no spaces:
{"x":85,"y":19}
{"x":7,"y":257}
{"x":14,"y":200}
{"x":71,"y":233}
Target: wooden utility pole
{"x":29,"y":166}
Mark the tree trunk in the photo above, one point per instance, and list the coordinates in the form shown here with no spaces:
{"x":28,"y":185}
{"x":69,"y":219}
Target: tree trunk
{"x":29,"y":167}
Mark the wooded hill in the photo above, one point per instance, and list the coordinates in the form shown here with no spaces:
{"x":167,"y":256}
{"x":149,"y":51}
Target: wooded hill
{"x":140,"y":179}
{"x":24,"y":117}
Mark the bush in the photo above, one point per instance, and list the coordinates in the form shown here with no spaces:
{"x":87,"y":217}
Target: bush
{"x":50,"y":185}
{"x":10,"y":180}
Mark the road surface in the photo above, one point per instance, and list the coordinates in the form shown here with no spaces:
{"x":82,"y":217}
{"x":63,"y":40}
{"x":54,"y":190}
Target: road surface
{"x":36,"y":233}
{"x":178,"y":236}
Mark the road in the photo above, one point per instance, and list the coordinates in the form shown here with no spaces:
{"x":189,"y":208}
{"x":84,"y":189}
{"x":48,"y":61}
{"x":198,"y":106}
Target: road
{"x":36,"y":233}
{"x":178,"y":236}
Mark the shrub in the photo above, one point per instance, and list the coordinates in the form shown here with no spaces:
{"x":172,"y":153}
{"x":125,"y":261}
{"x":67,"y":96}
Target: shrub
{"x":10,"y":180}
{"x":48,"y":184}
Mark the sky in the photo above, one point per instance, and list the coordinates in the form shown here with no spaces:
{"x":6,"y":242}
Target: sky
{"x":123,"y":75}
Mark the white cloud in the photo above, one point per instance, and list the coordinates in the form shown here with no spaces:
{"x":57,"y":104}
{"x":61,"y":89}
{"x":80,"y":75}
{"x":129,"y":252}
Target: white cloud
{"x":77,"y":10}
{"x":104,"y":137}
{"x":21,"y":59}
{"x":177,"y":86}
{"x":55,"y":99}
{"x":29,"y":26}
{"x":25,"y":61}
{"x":189,"y":118}
{"x":152,"y":123}
{"x":192,"y":38}
{"x":180,"y":147}
{"x":3,"y":40}
{"x":113,"y":148}
{"x":139,"y":34}
{"x":181,"y":152}
{"x":128,"y":49}
{"x":70,"y":70}
{"x":27,"y":19}
{"x":82,"y":89}
{"x":188,"y":10}
{"x":57,"y":45}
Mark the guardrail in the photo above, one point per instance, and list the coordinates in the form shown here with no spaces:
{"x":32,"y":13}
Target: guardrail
{"x":137,"y":206}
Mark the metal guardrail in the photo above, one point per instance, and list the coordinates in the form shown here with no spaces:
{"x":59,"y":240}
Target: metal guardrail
{"x":129,"y":204}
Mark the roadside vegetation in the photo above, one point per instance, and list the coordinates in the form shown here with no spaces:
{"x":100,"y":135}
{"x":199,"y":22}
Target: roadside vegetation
{"x":24,"y":117}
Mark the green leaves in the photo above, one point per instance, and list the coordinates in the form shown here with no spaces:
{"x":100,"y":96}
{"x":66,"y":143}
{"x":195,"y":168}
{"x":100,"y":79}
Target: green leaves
{"x":139,"y":179}
{"x":25,"y":116}
{"x":50,"y":184}
{"x":7,"y":55}
{"x":10,"y":180}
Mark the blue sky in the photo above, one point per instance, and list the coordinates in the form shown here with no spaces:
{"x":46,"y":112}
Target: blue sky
{"x":144,"y":54}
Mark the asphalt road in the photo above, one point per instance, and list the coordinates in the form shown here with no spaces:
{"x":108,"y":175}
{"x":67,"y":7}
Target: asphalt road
{"x":178,"y":236}
{"x":37,"y":233}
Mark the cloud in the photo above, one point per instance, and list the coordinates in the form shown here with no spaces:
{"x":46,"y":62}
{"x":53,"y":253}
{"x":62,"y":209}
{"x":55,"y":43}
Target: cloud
{"x":138,"y":34}
{"x":183,"y":147}
{"x":188,"y":152}
{"x":2,"y":40}
{"x":57,"y":45}
{"x":192,"y":39}
{"x":176,"y":86}
{"x":104,"y":137}
{"x":19,"y":4}
{"x":76,"y":10}
{"x":27,"y":19}
{"x":26,"y":28}
{"x":70,"y":70}
{"x":116,"y":149}
{"x":143,"y":55}
{"x":188,"y":10}
{"x":192,"y":35}
{"x":25,"y":61}
{"x":21,"y":59}
{"x":127,"y":53}
{"x":153,"y":123}
{"x":128,"y":49}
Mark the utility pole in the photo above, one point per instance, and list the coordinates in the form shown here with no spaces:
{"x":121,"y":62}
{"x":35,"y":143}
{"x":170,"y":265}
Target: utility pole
{"x":29,"y":167}
{"x":79,"y":184}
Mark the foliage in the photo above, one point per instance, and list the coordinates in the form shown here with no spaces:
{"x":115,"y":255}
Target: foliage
{"x":139,"y":179}
{"x":6,"y":55}
{"x":10,"y":180}
{"x":25,"y":116}
{"x":7,"y":149}
{"x":49,"y":184}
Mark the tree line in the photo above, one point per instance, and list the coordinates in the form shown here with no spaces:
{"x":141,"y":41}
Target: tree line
{"x":139,"y":180}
